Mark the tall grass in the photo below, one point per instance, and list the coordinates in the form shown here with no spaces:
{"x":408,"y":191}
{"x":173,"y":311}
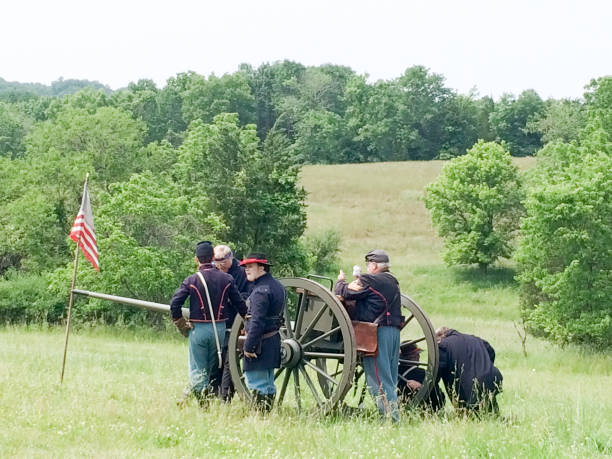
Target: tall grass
{"x":118,"y":396}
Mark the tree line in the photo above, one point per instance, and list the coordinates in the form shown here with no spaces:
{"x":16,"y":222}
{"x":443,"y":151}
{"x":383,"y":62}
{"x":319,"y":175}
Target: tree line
{"x":329,"y":113}
{"x":218,"y":158}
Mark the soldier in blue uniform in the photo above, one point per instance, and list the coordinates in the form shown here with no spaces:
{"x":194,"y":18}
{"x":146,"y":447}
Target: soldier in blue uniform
{"x":224,"y":298}
{"x":467,"y":368}
{"x":225,"y":261}
{"x":263,"y":320}
{"x":378,"y":300}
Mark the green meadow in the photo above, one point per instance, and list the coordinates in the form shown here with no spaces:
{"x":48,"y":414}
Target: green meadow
{"x":118,"y":398}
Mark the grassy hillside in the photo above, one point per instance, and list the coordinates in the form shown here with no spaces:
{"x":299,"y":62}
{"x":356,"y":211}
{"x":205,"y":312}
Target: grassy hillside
{"x":380,"y":206}
{"x":118,"y":398}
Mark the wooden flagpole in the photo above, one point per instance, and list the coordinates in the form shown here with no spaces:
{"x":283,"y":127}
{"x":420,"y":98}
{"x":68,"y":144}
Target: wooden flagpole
{"x":71,"y":298}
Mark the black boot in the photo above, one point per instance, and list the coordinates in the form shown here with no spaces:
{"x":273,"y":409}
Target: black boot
{"x":262,"y":402}
{"x":184,"y":398}
{"x":268,"y":402}
{"x":205,"y":397}
{"x":256,"y":399}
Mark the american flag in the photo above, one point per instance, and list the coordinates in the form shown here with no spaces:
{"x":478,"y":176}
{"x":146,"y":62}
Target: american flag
{"x":83,"y":231}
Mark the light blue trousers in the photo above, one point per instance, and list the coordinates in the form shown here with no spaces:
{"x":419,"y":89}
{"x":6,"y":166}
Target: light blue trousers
{"x":203,"y":353}
{"x":261,"y":381}
{"x":381,"y":372}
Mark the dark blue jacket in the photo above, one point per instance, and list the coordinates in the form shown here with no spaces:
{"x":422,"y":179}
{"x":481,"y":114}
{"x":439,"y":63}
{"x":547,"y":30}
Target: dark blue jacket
{"x":466,"y":361}
{"x":243,"y":286}
{"x":265,"y":309}
{"x":224,"y":295}
{"x":379,"y":297}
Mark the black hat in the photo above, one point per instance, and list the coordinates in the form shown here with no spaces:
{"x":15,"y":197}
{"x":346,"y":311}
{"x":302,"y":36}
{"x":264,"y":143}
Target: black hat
{"x":256,"y":257}
{"x":377,"y":256}
{"x":204,"y":250}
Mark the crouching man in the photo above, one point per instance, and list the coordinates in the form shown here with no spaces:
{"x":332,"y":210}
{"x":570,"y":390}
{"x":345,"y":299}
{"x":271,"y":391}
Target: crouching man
{"x":466,"y":367}
{"x":263,"y":320}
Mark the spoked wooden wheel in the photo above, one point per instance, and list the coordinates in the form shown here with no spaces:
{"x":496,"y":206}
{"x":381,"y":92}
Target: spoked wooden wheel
{"x":417,"y":332}
{"x":318,"y":355}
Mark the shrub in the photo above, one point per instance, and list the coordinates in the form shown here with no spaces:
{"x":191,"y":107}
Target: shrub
{"x":565,"y":254}
{"x":323,"y":249}
{"x":26,"y":299}
{"x":475,"y":205}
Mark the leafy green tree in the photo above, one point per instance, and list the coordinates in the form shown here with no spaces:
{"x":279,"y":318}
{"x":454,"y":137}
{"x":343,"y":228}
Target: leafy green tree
{"x":40,"y":199}
{"x":43,"y":197}
{"x":598,"y":102}
{"x":598,"y":94}
{"x":424,"y":99}
{"x":254,"y":188}
{"x":511,"y":118}
{"x":412,"y":117}
{"x":171,"y":105}
{"x":323,"y":138}
{"x":271,"y":86}
{"x":147,"y":103}
{"x":204,"y":98}
{"x":36,"y":109}
{"x":62,"y":87}
{"x":32,"y":238}
{"x":335,"y":100}
{"x":322,"y":88}
{"x":562,"y":121}
{"x":459,"y":126}
{"x":12,"y":132}
{"x":564,"y":254}
{"x":109,"y":138}
{"x":88,"y":100}
{"x":371,"y":114}
{"x":475,"y":205}
{"x":323,"y":251}
{"x":485,"y":106}
{"x":160,"y":157}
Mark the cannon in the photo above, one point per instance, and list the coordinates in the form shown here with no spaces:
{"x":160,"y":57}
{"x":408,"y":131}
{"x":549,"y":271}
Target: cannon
{"x":320,"y":366}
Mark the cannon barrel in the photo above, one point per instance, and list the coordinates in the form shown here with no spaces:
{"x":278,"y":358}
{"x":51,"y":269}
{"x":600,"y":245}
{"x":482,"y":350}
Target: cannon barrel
{"x":150,"y":305}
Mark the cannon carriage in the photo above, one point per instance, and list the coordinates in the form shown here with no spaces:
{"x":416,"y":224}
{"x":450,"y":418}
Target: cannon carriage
{"x":320,"y":366}
{"x":319,"y":357}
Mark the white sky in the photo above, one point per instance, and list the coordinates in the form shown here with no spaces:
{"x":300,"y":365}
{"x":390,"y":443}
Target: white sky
{"x":552,"y":46}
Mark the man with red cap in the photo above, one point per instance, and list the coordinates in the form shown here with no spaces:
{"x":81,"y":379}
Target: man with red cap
{"x":212,"y":295}
{"x":378,"y":300}
{"x":263,"y":320}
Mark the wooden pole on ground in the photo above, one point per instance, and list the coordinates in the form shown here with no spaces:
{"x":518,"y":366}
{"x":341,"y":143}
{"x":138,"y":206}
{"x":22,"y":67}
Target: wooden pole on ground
{"x":70,"y":301}
{"x":71,"y":298}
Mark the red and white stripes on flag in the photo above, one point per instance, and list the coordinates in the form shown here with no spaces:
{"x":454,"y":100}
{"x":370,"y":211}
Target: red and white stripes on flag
{"x":83,"y":231}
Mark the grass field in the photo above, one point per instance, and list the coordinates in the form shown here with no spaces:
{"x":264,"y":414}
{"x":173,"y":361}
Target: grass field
{"x":118,"y":396}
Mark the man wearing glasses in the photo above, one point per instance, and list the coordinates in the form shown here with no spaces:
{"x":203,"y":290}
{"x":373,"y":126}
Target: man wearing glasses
{"x":224,"y":261}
